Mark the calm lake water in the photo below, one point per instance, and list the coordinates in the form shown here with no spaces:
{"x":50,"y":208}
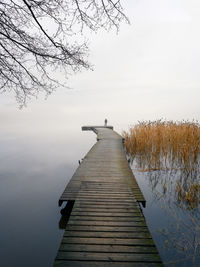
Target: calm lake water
{"x":34,"y":169}
{"x":174,"y":225}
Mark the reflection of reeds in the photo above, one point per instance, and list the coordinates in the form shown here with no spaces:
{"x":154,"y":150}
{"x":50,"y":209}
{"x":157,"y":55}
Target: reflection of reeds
{"x":183,"y":234}
{"x":168,"y":145}
{"x":191,"y":195}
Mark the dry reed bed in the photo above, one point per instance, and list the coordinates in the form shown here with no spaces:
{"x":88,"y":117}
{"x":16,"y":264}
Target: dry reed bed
{"x":167,"y":145}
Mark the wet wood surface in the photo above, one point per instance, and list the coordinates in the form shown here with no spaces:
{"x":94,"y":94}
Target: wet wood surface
{"x":106,"y":225}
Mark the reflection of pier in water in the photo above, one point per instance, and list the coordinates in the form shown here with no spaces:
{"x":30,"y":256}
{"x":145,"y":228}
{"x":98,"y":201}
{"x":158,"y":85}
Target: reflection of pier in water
{"x":106,"y":225}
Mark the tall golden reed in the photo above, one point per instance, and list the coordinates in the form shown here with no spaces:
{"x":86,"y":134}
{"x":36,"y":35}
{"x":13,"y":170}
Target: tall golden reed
{"x":164,"y":144}
{"x":168,"y":145}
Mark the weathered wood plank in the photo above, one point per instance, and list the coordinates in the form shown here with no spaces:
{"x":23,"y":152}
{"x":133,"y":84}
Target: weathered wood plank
{"x":108,"y":206}
{"x":129,"y":257}
{"x":105,"y":223}
{"x":106,"y":218}
{"x":108,"y":201}
{"x":108,"y":248}
{"x":97,"y":196}
{"x":104,"y":194}
{"x":66,"y":263}
{"x":108,"y":241}
{"x":103,"y":228}
{"x":104,"y":190}
{"x":107,"y":234}
{"x":106,"y":214}
{"x":106,"y":210}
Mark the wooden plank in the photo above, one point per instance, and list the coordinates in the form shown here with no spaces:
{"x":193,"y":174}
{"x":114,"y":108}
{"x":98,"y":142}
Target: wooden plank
{"x":105,"y":194}
{"x":108,"y":248}
{"x":108,"y":241}
{"x":105,"y":223}
{"x":98,"y":198}
{"x":94,"y":189}
{"x":92,"y":128}
{"x":107,"y":199}
{"x":106,"y":210}
{"x":69,"y":263}
{"x":108,"y":205}
{"x":111,"y":208}
{"x":107,"y":214}
{"x":101,"y":190}
{"x":102,"y":196}
{"x":107,"y":234}
{"x":130,"y":257}
{"x":102,"y":228}
{"x":106,"y":218}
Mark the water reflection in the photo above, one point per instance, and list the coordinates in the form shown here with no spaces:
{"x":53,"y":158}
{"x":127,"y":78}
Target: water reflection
{"x":176,"y":186}
{"x":34,"y":171}
{"x":66,"y":211}
{"x":176,"y":228}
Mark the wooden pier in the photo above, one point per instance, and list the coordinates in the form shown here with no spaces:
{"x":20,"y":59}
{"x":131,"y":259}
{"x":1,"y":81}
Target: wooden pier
{"x":106,"y":225}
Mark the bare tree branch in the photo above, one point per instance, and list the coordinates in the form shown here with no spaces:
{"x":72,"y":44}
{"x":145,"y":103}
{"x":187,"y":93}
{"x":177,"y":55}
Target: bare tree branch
{"x":38,"y":36}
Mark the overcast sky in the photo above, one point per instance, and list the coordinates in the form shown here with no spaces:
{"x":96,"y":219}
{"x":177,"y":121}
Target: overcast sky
{"x":150,"y":70}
